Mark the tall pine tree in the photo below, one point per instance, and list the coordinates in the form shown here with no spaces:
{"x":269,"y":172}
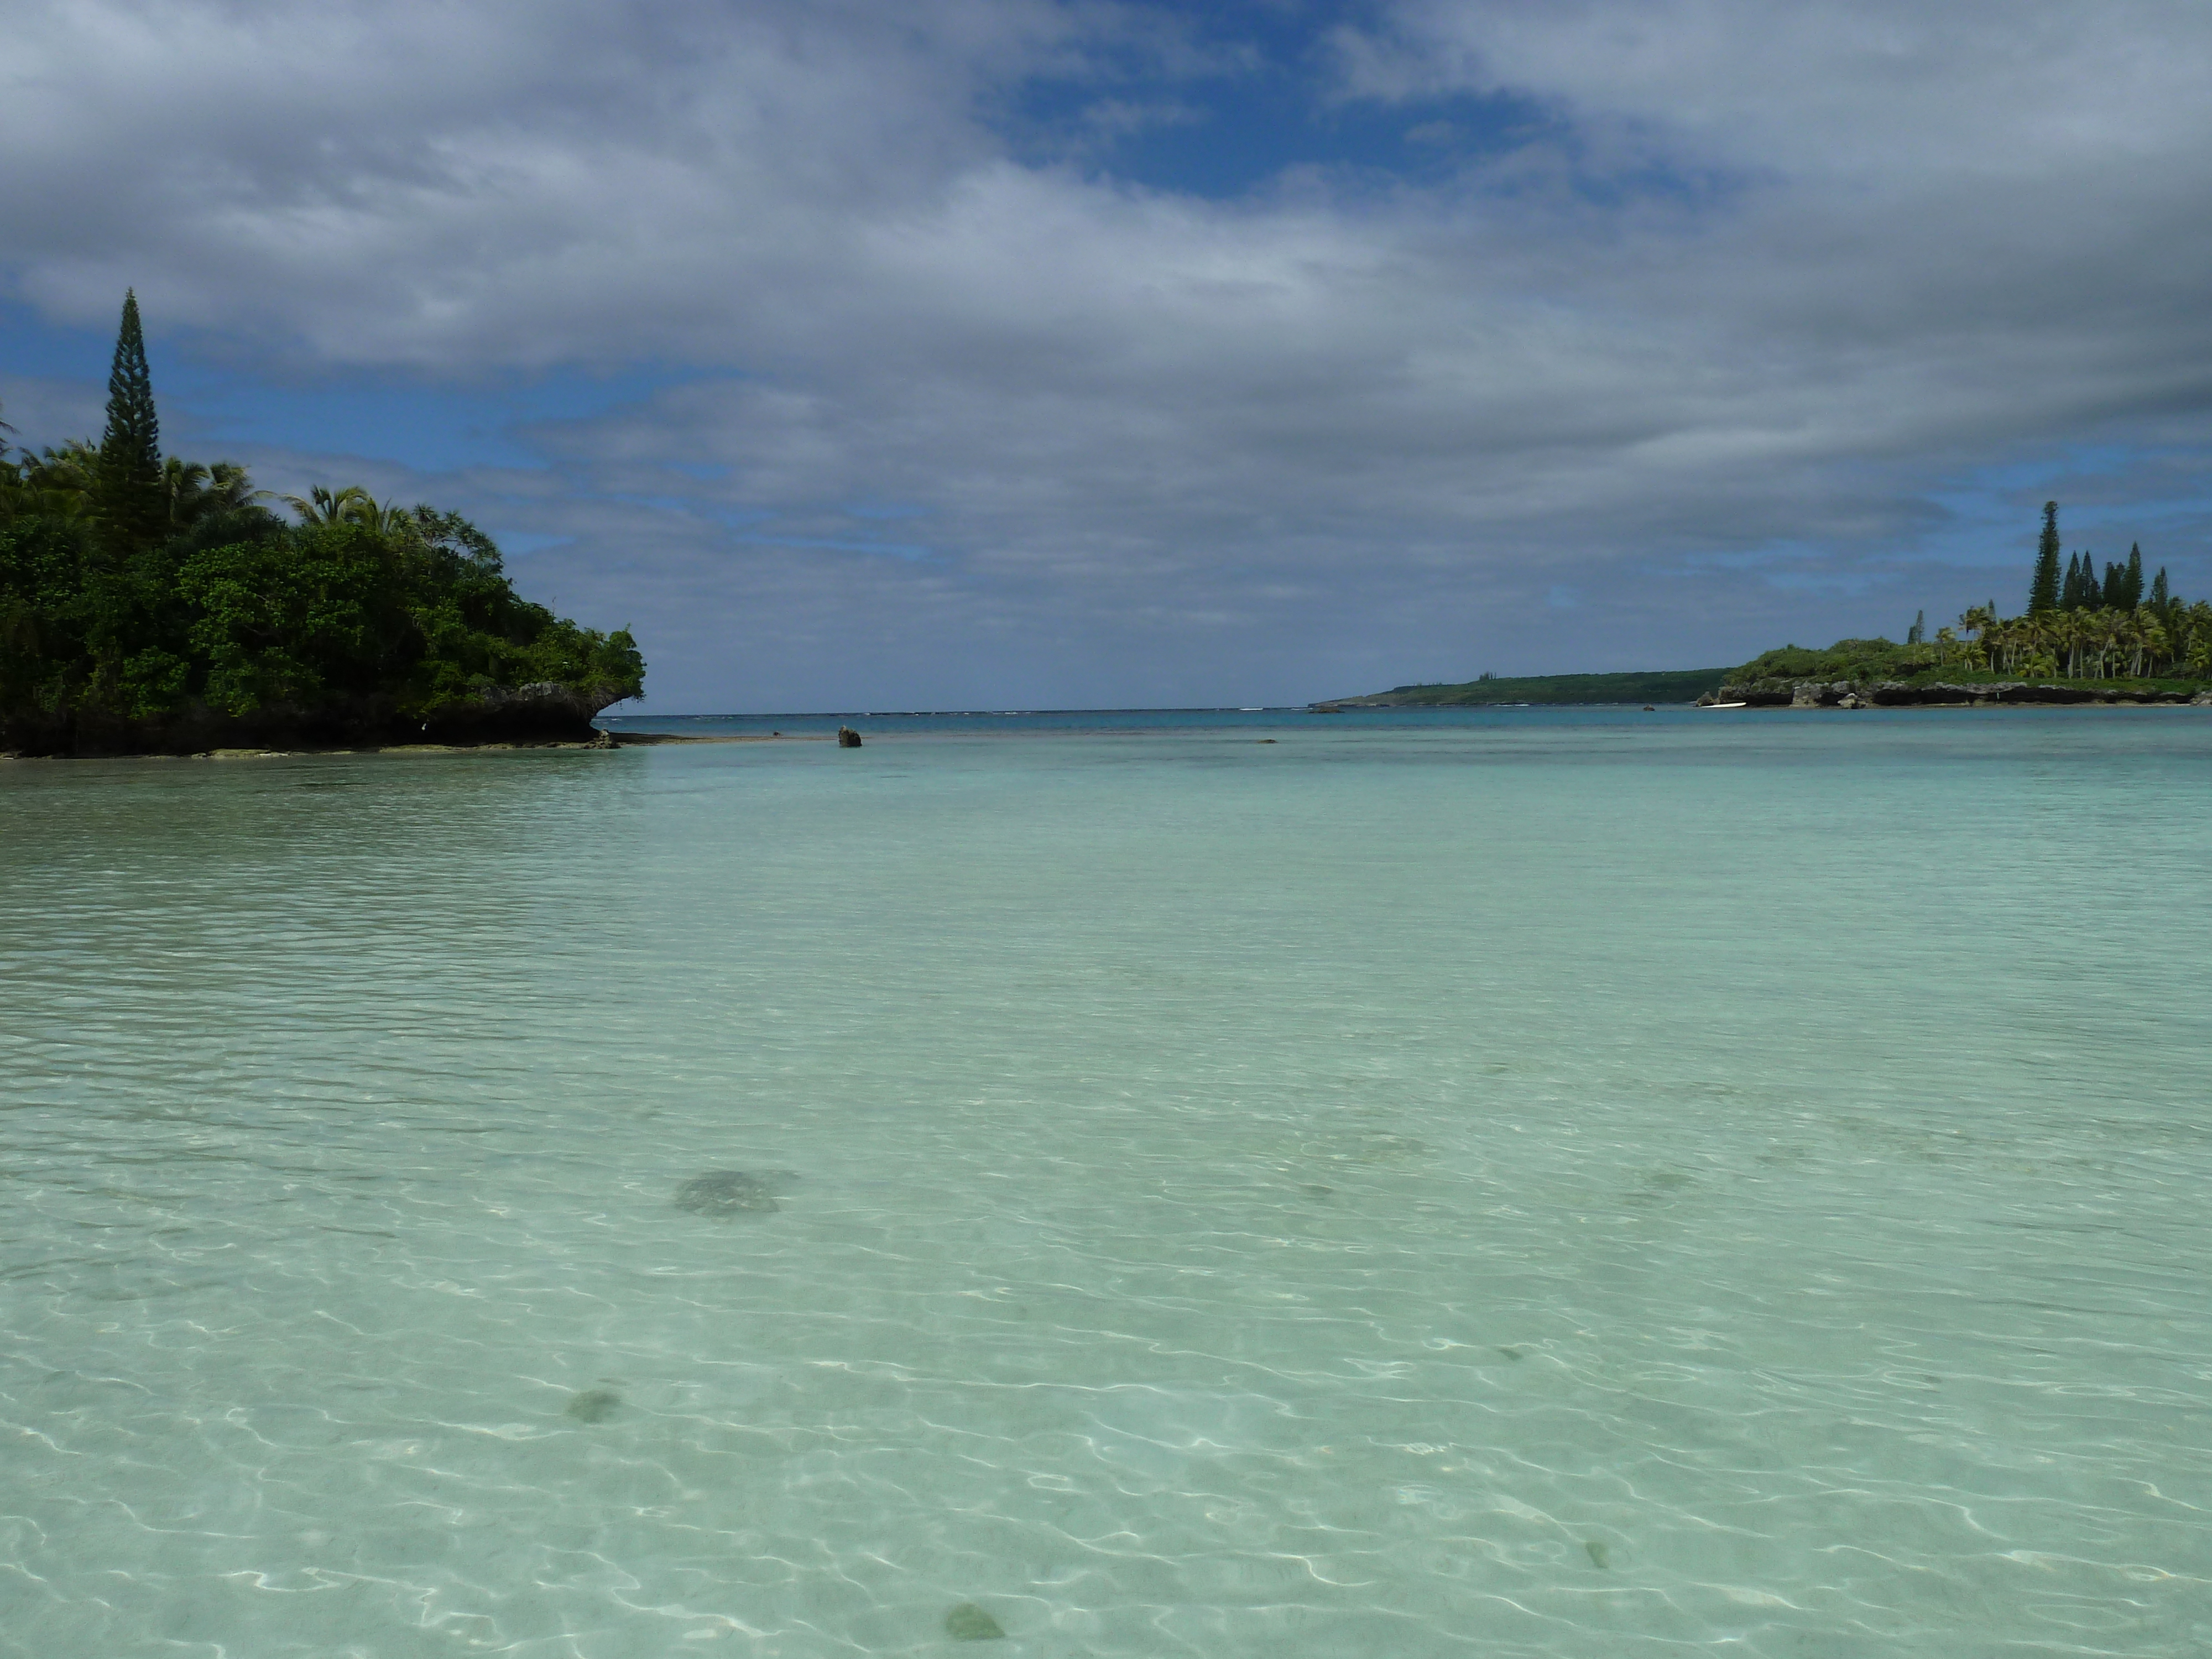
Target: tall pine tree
{"x":2115,"y":596}
{"x":130,"y":483}
{"x":2043,"y":593}
{"x":2162,"y":595}
{"x":2132,"y":585}
{"x":2069,"y":591}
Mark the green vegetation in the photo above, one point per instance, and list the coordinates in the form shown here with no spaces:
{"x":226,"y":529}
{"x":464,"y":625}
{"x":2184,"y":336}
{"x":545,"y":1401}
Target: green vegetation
{"x":2043,"y":586}
{"x":1668,"y":685}
{"x":2078,"y":626}
{"x":152,"y":604}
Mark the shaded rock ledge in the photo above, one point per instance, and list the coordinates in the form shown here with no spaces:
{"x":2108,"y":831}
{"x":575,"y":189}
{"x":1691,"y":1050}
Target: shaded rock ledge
{"x":1900,"y":694}
{"x":546,"y":711}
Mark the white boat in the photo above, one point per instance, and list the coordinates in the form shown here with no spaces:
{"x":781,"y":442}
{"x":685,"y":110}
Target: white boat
{"x":1723,"y":705}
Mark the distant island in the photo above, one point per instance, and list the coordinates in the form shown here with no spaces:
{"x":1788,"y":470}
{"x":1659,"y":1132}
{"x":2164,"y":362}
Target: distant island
{"x":152,"y":605}
{"x":1666,"y":685}
{"x":2085,"y":637}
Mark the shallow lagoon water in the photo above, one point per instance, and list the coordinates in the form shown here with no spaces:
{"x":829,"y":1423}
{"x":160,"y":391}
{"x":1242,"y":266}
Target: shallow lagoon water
{"x":1532,"y":1182}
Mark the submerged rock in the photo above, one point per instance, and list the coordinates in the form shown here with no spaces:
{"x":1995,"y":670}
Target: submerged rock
{"x":727,"y":1192}
{"x":593,"y":1405}
{"x":969,"y":1623}
{"x":1599,"y":1555}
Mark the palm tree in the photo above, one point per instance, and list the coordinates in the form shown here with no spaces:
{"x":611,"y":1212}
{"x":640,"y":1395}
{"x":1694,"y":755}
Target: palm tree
{"x":321,"y":506}
{"x":2190,"y":626}
{"x":1981,"y":621}
{"x":385,"y":518}
{"x":229,"y":489}
{"x":183,"y":483}
{"x":2105,"y":632}
{"x":2150,"y":640}
{"x":57,"y":483}
{"x":351,"y":505}
{"x":2058,"y":636}
{"x":194,"y":491}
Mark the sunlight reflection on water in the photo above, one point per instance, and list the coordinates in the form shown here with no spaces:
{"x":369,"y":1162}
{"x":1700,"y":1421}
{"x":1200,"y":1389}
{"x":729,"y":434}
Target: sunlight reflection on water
{"x":1563,"y":1184}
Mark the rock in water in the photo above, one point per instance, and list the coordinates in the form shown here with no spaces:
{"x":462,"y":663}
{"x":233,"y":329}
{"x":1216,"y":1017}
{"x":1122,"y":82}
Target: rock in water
{"x":1600,"y":1556}
{"x":593,"y":1405}
{"x":847,"y":738}
{"x":727,"y":1192}
{"x":969,"y":1623}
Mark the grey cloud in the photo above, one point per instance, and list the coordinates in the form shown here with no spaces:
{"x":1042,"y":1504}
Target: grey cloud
{"x":1793,"y":282}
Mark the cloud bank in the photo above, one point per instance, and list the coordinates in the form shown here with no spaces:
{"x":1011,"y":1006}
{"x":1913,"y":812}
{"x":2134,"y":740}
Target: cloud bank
{"x":938,"y":371}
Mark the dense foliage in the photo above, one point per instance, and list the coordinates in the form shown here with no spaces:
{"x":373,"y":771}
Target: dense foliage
{"x":2078,"y":625}
{"x":133,"y":589}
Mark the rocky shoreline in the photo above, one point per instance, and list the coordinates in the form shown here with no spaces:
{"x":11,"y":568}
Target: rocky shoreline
{"x":1905,"y":693}
{"x":546,"y":713}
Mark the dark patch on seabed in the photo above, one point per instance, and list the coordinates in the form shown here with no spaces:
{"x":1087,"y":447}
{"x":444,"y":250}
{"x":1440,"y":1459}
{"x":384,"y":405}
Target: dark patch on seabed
{"x":969,"y":1623}
{"x":733,"y":1192}
{"x":593,"y":1405}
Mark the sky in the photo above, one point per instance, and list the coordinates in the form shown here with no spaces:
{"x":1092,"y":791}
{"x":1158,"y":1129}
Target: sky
{"x":959,"y":354}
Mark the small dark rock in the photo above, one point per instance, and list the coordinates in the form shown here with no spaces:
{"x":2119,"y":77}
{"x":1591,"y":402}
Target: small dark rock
{"x":847,"y":738}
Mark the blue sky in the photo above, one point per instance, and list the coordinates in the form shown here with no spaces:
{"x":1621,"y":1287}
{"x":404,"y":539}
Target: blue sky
{"x":1018,"y":353}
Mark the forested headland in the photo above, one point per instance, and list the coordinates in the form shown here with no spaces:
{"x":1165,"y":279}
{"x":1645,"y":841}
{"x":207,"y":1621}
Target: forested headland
{"x":2085,"y":635}
{"x":150,"y":604}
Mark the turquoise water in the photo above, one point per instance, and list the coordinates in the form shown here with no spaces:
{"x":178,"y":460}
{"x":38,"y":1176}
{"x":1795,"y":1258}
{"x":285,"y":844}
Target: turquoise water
{"x":1570,"y":1183}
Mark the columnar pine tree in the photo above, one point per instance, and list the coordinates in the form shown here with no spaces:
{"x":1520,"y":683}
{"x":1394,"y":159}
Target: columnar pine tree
{"x":130,"y":483}
{"x":2161,"y":596}
{"x":2043,"y":592}
{"x":2069,"y":591}
{"x":2131,"y":591}
{"x":2115,"y":594}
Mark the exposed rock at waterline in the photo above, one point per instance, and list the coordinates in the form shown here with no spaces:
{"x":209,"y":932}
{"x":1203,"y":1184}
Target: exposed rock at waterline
{"x":545,"y":712}
{"x":1902,"y":694}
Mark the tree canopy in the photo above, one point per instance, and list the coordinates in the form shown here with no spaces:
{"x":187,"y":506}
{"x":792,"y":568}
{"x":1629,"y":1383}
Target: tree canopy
{"x":2091,"y":627}
{"x":158,"y":600}
{"x":127,"y":481}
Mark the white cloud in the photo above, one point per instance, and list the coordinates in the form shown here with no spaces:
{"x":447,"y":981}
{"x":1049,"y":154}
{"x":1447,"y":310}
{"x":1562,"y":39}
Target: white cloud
{"x":1774,"y":277}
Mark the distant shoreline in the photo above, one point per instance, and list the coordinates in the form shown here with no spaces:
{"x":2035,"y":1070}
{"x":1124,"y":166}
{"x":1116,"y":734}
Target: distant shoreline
{"x":1677,"y":685}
